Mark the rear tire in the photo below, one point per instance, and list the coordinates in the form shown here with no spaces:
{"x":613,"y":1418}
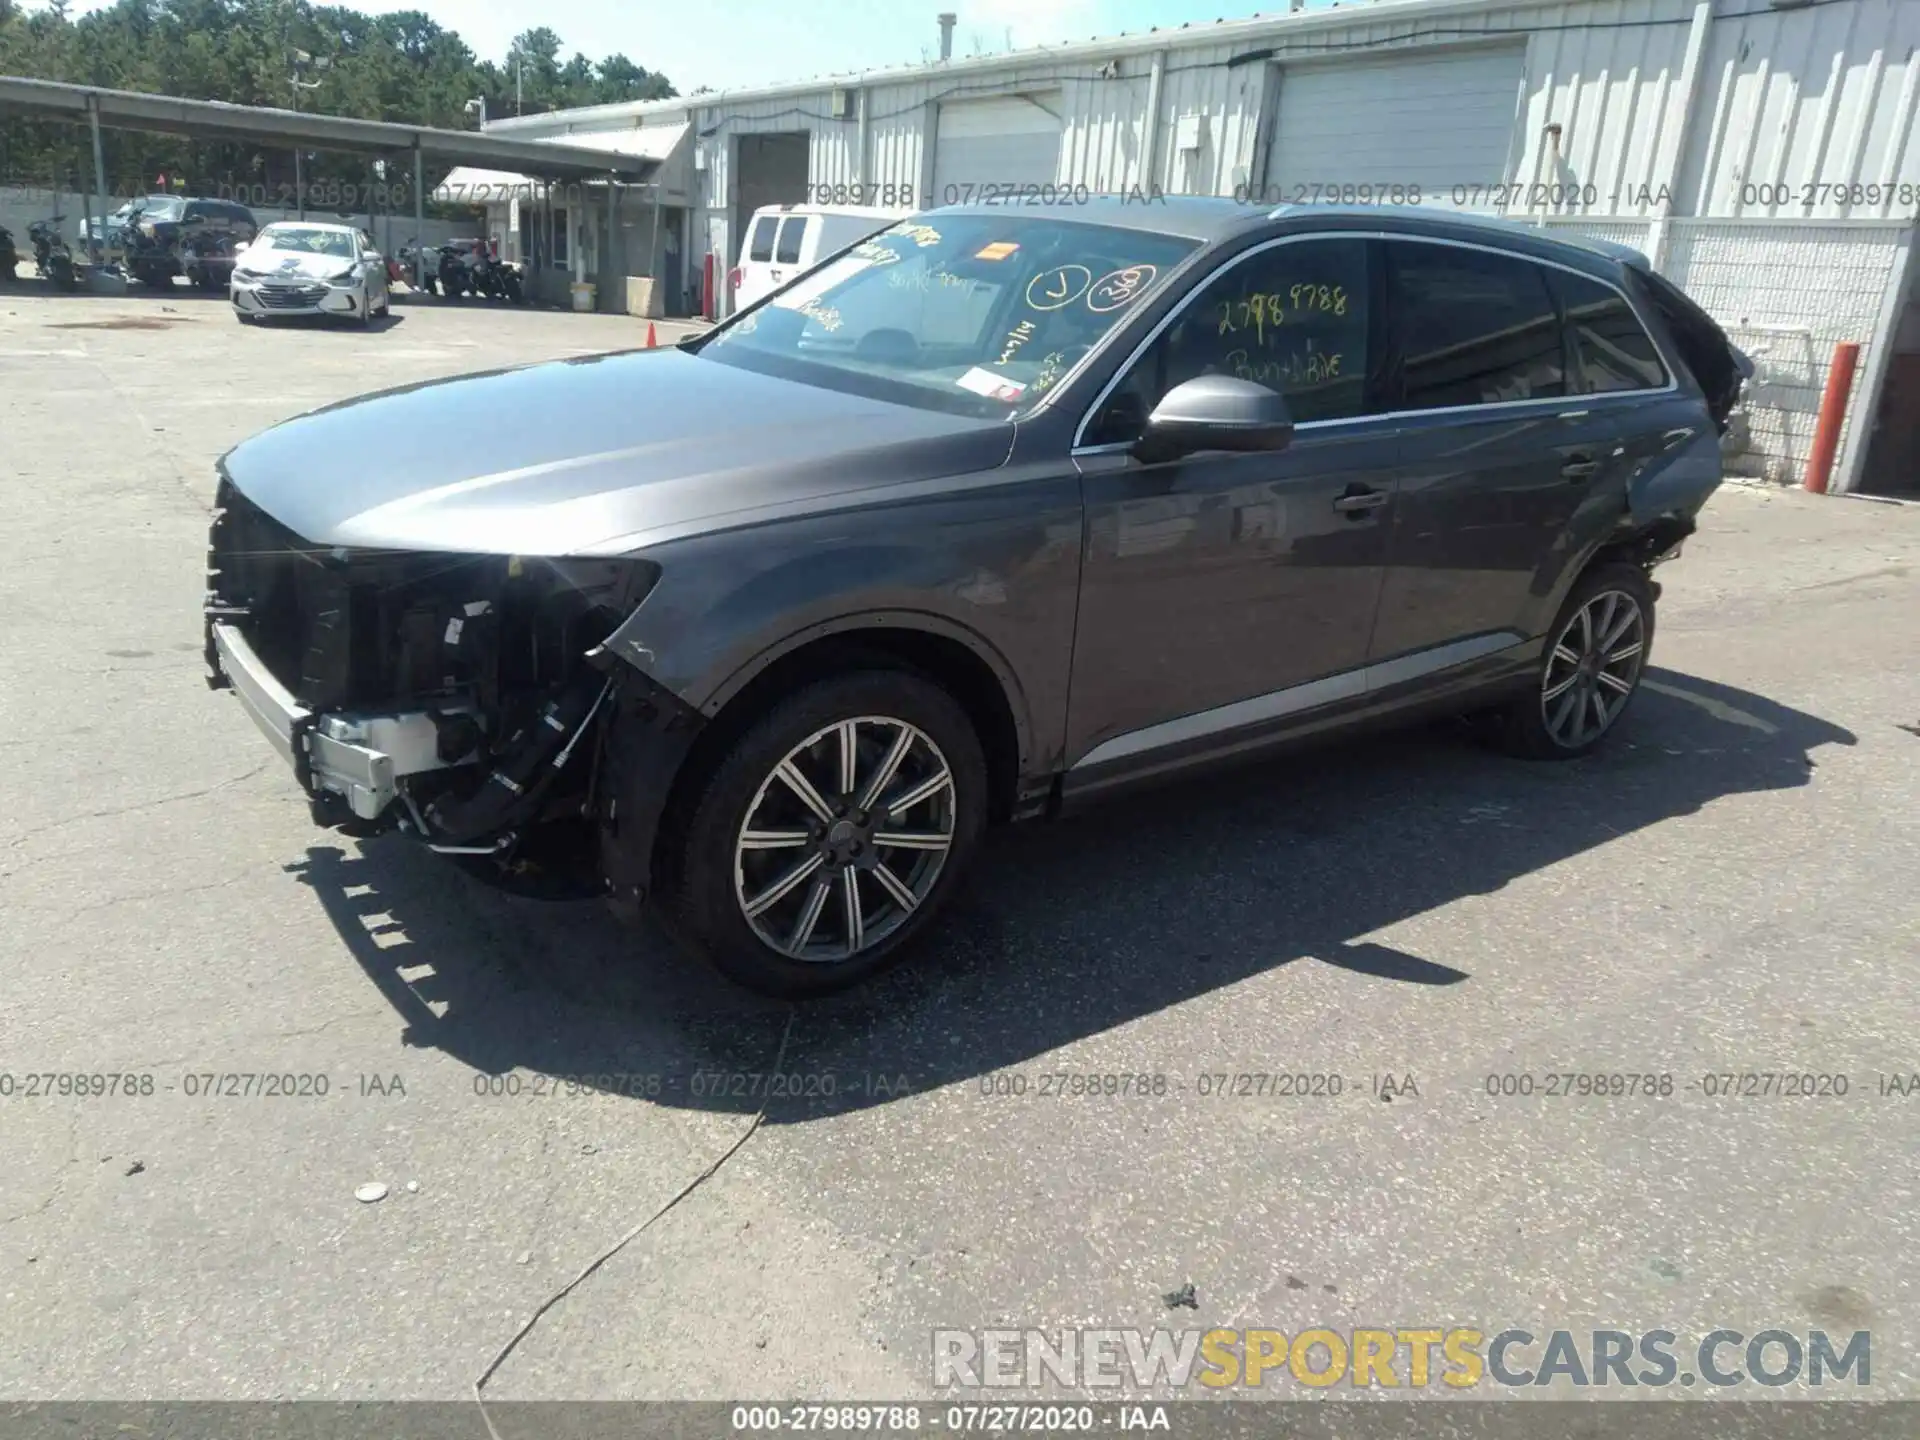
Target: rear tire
{"x":1596,"y":654}
{"x":796,"y":895}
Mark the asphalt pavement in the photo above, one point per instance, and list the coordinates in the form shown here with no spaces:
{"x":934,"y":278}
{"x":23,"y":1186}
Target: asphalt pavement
{"x":1410,"y":925}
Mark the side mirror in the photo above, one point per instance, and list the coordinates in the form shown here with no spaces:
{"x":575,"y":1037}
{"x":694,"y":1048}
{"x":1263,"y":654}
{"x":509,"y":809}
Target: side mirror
{"x":1216,"y":412}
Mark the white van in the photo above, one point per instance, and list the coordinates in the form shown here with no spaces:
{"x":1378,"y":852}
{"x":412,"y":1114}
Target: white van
{"x":784,"y":240}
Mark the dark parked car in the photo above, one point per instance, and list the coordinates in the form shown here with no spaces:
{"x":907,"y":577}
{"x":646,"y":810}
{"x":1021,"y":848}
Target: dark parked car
{"x":992,"y":512}
{"x":169,"y":235}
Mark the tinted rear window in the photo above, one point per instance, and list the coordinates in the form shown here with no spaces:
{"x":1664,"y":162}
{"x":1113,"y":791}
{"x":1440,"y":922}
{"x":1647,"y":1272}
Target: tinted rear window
{"x":1476,"y":327}
{"x":762,"y":246}
{"x":792,"y":231}
{"x":1614,"y":351}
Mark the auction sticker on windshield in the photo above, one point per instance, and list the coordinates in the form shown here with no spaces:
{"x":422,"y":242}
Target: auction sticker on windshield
{"x":995,"y":387}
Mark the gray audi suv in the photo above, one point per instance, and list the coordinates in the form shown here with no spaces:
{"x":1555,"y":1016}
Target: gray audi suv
{"x":996,"y":510}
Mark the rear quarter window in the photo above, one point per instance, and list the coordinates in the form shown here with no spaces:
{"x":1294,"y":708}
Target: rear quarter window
{"x":1612,"y":350}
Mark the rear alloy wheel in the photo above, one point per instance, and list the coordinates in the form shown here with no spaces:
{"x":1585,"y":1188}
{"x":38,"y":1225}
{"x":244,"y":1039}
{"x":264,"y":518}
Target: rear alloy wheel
{"x":831,"y":834}
{"x":1585,"y":689}
{"x":1591,"y":670}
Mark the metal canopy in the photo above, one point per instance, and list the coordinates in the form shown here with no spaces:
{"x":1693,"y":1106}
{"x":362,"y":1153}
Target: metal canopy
{"x":215,"y":119}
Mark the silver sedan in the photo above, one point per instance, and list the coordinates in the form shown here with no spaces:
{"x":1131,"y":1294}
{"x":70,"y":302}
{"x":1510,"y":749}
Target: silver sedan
{"x":306,"y":267}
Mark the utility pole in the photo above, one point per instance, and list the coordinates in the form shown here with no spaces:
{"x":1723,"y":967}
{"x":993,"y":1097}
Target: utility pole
{"x":300,"y":59}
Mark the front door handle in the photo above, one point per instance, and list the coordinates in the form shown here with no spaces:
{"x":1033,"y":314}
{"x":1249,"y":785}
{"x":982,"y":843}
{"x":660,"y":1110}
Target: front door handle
{"x":1359,"y":501}
{"x":1580,"y":466}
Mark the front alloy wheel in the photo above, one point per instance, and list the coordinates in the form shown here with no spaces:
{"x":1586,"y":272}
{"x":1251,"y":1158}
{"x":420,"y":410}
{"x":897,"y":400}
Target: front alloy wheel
{"x":845,"y":838}
{"x":1592,"y":669}
{"x":827,"y":834}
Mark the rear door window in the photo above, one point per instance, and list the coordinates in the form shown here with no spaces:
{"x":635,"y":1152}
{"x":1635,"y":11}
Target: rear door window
{"x":761,"y":246}
{"x":1474,"y":327}
{"x":1612,"y":350}
{"x":793,"y":230}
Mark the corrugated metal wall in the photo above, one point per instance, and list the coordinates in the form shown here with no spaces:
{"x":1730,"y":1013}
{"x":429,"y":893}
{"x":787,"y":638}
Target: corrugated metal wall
{"x":1797,"y":114}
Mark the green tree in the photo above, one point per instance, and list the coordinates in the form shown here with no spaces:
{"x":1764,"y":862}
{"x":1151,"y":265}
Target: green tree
{"x":401,"y":66}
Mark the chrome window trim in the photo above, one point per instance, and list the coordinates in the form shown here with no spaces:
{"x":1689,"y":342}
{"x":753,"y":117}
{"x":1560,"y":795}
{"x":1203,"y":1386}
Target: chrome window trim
{"x":1295,"y":699}
{"x":1126,"y":367}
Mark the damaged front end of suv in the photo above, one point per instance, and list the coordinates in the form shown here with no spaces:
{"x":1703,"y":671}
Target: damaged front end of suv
{"x":458,"y":697}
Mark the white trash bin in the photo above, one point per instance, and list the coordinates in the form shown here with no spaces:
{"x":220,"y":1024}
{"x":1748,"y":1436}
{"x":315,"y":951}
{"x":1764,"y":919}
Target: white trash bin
{"x":583,"y":295}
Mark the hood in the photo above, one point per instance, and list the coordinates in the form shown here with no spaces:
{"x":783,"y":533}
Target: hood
{"x":301,"y":263}
{"x":599,"y":455}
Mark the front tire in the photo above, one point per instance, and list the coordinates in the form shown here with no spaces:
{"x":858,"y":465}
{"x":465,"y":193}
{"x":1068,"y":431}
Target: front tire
{"x":1595,"y":657}
{"x":830,"y":835}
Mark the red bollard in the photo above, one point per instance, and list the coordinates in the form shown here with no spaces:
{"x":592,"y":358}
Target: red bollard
{"x":1833,"y":410}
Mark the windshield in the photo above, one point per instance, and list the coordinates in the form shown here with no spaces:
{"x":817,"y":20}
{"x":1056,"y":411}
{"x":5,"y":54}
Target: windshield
{"x":162,"y":207}
{"x":979,"y":314}
{"x":310,"y":238}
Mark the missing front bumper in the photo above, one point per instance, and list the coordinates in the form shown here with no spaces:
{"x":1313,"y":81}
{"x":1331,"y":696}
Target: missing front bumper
{"x":360,"y":758}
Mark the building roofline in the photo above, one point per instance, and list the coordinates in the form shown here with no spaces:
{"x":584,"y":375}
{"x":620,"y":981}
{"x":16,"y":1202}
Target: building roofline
{"x":1184,"y":37}
{"x":216,"y":119}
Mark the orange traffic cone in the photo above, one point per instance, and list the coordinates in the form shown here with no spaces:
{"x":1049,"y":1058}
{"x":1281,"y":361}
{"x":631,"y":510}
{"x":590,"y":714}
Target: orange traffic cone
{"x":652,"y":343}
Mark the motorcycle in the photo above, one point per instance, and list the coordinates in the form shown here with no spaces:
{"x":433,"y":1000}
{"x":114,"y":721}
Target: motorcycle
{"x":454,"y":276}
{"x":9,"y":257}
{"x":512,"y":288}
{"x":207,"y":257}
{"x":491,"y":276}
{"x":488,"y":277}
{"x":52,"y":259}
{"x":420,"y":265}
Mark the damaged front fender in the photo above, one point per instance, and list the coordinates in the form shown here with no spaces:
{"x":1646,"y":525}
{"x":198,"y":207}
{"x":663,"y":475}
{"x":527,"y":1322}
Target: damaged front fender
{"x":451,"y":694}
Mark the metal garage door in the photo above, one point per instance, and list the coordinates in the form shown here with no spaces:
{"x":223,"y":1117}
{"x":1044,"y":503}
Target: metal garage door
{"x":997,"y":144}
{"x":1434,"y":121}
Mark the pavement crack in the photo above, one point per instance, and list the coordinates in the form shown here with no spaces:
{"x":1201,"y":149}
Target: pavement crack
{"x":304,"y":1032}
{"x":60,"y":1180}
{"x":500,"y":1358}
{"x":113,"y":811}
{"x":162,"y":893}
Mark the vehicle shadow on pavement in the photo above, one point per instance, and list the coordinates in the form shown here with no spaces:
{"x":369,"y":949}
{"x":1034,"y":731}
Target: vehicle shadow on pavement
{"x":1065,"y":930}
{"x":328,"y":324}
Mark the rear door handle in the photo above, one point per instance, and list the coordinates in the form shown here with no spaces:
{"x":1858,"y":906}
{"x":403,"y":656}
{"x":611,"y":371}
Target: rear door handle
{"x":1358,"y":502}
{"x":1580,"y":467}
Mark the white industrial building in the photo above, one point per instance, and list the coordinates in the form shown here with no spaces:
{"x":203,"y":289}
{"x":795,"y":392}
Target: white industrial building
{"x":1762,"y":152}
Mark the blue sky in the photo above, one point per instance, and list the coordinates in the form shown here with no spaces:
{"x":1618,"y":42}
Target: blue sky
{"x":730,"y":43}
